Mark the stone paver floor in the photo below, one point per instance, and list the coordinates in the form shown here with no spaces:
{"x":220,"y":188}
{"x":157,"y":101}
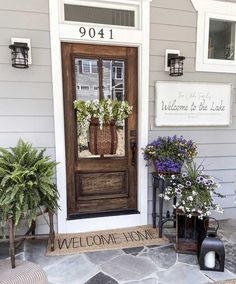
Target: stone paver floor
{"x":145,"y":265}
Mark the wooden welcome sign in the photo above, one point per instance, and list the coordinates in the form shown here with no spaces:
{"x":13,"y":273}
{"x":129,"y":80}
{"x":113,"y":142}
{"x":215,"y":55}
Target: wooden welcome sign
{"x":192,"y":104}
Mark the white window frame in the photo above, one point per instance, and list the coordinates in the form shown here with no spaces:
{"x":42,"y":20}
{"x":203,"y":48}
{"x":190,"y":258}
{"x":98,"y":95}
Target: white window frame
{"x":90,"y":63}
{"x":122,"y":72}
{"x":131,"y":5}
{"x":87,"y":88}
{"x":212,"y":9}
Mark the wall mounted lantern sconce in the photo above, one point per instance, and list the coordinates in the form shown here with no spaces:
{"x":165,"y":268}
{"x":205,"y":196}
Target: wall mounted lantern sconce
{"x":212,"y":251}
{"x":174,"y":62}
{"x":20,"y":52}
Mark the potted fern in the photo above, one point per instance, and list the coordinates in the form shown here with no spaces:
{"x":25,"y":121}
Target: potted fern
{"x":26,"y":184}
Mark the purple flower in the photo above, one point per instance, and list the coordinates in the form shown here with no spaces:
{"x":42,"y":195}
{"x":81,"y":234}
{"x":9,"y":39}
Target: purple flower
{"x":178,"y":190}
{"x":188,"y":183}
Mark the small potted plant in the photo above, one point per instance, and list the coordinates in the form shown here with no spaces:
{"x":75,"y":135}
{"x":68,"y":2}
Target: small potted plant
{"x":194,"y":193}
{"x":168,"y":154}
{"x":102,"y":117}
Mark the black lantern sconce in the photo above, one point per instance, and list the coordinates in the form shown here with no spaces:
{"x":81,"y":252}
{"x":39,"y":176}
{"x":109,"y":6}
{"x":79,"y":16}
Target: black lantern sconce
{"x":174,"y":63}
{"x":212,"y":250}
{"x":20,"y":53}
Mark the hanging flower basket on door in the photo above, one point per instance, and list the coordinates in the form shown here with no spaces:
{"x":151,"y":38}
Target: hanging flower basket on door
{"x":102,"y":141}
{"x":102,"y":118}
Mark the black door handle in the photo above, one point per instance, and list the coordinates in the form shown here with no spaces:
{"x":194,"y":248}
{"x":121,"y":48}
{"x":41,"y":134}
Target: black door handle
{"x":133,"y":147}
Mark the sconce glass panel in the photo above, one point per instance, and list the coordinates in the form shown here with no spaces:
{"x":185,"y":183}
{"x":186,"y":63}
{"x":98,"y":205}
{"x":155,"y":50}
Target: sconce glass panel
{"x":19,"y":55}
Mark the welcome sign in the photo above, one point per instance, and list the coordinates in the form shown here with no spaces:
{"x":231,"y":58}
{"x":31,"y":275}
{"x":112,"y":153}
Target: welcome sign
{"x":192,"y":104}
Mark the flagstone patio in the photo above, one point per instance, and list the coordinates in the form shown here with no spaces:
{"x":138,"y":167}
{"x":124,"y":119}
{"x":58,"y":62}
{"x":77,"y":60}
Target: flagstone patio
{"x":144,"y":265}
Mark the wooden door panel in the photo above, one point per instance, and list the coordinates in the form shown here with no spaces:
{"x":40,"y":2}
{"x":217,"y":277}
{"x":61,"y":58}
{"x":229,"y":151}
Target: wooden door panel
{"x":99,"y":184}
{"x":102,"y":185}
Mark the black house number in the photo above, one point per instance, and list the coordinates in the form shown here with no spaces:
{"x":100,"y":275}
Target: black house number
{"x":94,"y":33}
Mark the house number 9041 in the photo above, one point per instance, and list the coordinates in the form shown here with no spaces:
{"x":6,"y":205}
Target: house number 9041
{"x":93,"y":33}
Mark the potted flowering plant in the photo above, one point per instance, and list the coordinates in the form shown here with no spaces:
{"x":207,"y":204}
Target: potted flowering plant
{"x":102,"y":116}
{"x":194,"y":192}
{"x":168,"y":154}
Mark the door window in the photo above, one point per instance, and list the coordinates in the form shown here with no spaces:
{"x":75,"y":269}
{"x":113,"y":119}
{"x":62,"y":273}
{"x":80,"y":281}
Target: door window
{"x":88,"y":75}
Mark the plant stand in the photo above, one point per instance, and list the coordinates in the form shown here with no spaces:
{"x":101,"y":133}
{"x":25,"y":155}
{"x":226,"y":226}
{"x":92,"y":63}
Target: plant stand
{"x":158,"y":185}
{"x":15,"y":242}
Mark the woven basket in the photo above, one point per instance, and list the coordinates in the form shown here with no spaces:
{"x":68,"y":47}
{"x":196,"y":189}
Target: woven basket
{"x":102,"y":141}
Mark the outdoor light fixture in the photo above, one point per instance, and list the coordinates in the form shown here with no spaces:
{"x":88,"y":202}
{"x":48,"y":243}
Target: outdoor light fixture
{"x":212,"y":251}
{"x":20,"y":52}
{"x":174,"y":62}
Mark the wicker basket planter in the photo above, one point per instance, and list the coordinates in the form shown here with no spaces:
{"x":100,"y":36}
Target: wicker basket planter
{"x":102,"y":141}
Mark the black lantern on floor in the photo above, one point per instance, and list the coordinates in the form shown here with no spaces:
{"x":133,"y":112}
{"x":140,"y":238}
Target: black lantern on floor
{"x":19,"y":54}
{"x":176,"y":64}
{"x":212,"y":251}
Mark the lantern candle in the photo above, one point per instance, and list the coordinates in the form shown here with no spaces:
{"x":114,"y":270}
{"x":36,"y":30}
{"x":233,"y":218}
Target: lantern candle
{"x":209,"y":259}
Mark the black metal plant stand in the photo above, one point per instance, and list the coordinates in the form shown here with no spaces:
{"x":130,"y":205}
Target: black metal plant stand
{"x":159,"y":184}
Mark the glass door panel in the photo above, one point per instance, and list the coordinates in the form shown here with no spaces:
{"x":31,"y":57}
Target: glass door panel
{"x":87,"y":76}
{"x":114,"y":88}
{"x":87,"y":88}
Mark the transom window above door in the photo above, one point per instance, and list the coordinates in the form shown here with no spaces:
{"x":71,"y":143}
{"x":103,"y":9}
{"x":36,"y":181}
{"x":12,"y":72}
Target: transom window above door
{"x":99,"y":15}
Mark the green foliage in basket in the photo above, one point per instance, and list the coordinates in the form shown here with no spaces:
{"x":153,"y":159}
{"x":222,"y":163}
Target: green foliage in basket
{"x":104,"y":110}
{"x":26,"y":183}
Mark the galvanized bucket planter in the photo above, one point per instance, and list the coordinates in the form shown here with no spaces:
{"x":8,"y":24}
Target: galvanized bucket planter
{"x":189,"y":233}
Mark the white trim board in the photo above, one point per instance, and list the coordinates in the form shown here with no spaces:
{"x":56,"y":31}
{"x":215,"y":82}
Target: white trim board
{"x":217,"y":10}
{"x":128,"y":37}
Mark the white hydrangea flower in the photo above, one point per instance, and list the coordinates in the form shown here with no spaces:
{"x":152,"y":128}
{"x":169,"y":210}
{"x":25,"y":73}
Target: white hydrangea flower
{"x":190,"y":198}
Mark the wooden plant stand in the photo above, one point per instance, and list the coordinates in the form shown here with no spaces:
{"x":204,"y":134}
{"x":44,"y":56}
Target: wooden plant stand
{"x":16,"y":241}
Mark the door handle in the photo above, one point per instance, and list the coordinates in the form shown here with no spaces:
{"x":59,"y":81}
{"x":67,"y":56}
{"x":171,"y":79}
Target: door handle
{"x":133,"y":148}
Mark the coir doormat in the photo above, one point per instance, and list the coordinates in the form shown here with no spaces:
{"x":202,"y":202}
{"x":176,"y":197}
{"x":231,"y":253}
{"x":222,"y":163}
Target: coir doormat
{"x":106,"y":240}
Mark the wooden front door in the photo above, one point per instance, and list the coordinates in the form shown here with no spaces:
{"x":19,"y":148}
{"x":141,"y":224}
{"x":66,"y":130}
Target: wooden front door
{"x":100,"y":185}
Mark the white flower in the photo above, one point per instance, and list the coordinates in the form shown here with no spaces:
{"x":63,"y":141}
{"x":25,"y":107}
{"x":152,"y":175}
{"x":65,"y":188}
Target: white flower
{"x":184,"y":175}
{"x":194,"y":193}
{"x":173,"y":176}
{"x":190,"y":198}
{"x":166,"y":197}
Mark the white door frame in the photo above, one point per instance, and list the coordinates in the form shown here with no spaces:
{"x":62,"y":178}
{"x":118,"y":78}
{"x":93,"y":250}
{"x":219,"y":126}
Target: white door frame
{"x":138,"y":37}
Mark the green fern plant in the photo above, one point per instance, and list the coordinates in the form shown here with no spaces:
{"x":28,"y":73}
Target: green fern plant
{"x":26,"y":183}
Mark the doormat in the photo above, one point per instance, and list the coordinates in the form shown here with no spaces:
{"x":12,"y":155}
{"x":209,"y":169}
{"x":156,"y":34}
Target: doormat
{"x":230,"y":281}
{"x":106,"y":240}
